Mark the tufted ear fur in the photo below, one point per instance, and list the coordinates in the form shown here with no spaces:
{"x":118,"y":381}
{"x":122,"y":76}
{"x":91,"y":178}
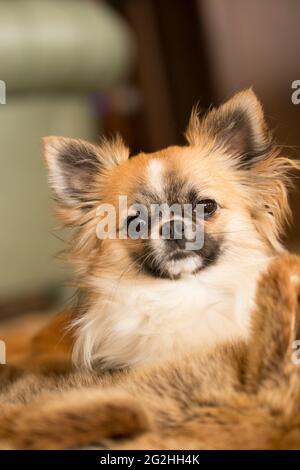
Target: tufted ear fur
{"x":238,"y":126}
{"x":75,"y":167}
{"x":238,"y":129}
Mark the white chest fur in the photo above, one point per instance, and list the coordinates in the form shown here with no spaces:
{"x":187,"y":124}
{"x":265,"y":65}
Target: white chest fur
{"x":135,"y":323}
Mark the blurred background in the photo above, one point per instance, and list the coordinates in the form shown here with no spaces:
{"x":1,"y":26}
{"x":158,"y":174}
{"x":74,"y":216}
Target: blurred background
{"x":81,"y":68}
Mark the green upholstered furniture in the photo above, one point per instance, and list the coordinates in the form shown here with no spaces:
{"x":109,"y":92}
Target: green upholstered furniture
{"x":53,"y":54}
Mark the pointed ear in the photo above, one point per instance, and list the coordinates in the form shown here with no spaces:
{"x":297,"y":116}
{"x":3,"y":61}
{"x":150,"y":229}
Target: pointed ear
{"x":238,"y":126}
{"x":75,"y":165}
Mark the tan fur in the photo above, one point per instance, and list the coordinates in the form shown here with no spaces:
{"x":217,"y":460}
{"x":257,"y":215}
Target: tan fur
{"x":196,"y":373}
{"x":120,"y":306}
{"x":237,"y":396}
{"x":40,"y":343}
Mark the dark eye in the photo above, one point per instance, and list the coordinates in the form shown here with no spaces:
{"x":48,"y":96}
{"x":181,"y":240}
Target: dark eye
{"x":209,"y":206}
{"x":136,"y":229}
{"x":130,"y":219}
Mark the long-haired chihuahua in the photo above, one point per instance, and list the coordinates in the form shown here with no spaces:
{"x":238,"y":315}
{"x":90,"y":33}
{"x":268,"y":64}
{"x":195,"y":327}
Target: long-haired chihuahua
{"x":141,"y":297}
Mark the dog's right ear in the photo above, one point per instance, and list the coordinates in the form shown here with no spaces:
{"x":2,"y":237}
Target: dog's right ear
{"x":75,"y":167}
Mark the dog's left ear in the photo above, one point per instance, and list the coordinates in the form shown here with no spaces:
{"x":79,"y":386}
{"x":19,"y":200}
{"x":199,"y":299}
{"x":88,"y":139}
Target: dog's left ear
{"x":76,"y":167}
{"x":238,"y":126}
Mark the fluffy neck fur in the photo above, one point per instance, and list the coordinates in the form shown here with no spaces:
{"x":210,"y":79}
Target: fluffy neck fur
{"x":135,"y":323}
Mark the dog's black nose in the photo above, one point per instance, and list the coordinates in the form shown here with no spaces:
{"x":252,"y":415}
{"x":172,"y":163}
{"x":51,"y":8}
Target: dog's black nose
{"x":173,"y":231}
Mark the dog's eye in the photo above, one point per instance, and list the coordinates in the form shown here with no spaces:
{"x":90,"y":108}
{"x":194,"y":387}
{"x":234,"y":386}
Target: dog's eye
{"x":131,"y":218}
{"x":135,"y":230}
{"x":209,"y":206}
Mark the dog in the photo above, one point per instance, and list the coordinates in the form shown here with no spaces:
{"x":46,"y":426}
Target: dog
{"x":144,"y":299}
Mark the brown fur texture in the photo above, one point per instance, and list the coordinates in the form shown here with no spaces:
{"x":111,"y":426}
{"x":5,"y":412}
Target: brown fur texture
{"x":241,"y":392}
{"x":40,"y":343}
{"x":229,"y":159}
{"x":237,"y":396}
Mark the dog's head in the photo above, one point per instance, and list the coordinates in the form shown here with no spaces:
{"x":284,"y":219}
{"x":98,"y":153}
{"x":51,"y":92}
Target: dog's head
{"x":178,"y":211}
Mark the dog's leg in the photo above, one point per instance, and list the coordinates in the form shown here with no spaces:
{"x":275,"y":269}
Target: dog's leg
{"x":276,"y":320}
{"x":71,"y":419}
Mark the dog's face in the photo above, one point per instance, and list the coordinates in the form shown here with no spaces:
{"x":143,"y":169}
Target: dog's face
{"x":226,"y":186}
{"x":172,"y":244}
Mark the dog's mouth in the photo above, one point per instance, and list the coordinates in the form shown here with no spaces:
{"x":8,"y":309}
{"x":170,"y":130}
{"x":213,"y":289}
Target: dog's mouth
{"x":178,"y":263}
{"x":174,"y":266}
{"x":179,"y":255}
{"x":184,"y":264}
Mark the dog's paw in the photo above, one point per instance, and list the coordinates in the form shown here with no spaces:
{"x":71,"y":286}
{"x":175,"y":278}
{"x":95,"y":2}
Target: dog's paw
{"x":280,"y":283}
{"x":276,"y":318}
{"x":85,"y":416}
